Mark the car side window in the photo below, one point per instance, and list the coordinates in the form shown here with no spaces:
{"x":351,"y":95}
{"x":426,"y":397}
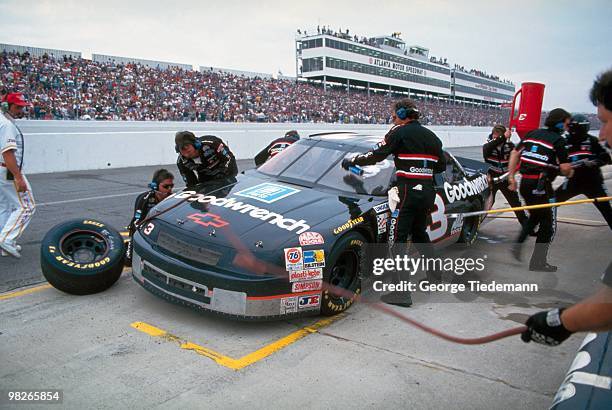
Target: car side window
{"x":453,"y":172}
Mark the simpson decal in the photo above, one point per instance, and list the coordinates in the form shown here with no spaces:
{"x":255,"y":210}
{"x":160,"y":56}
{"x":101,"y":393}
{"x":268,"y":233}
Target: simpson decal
{"x":307,"y":286}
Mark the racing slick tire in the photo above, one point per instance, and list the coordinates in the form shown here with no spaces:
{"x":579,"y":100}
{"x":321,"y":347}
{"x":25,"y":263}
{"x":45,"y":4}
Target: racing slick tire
{"x":343,"y":272}
{"x":469,"y":231}
{"x":82,"y":256}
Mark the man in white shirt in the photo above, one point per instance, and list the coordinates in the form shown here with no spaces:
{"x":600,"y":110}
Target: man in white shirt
{"x":16,"y":201}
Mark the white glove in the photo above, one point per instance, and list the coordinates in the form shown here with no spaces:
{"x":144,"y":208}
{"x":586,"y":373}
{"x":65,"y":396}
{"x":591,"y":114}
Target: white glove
{"x":394,"y":199}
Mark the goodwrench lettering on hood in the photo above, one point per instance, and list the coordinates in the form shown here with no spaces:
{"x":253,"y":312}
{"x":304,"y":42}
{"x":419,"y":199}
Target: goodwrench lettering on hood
{"x":465,"y":189}
{"x":253,"y":211}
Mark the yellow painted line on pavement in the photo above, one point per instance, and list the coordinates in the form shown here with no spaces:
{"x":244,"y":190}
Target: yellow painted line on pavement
{"x":11,"y":295}
{"x":244,"y":361}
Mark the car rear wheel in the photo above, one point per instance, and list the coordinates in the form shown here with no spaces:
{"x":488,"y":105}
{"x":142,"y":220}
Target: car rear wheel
{"x":82,"y":257}
{"x":343,"y":275}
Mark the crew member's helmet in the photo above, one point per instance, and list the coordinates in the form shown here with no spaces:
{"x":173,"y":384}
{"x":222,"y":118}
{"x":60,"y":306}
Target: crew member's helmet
{"x":579,"y":125}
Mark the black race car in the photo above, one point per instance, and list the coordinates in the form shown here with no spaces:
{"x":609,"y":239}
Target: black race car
{"x":263,"y":245}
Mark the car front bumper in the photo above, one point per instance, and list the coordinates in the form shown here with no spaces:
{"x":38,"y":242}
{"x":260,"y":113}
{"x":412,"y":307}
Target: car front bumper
{"x":237,"y":296}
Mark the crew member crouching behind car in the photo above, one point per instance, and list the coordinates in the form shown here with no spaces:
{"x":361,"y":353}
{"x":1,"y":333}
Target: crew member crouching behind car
{"x":160,"y":186}
{"x":276,"y":147}
{"x":418,"y":155}
{"x":203,"y":159}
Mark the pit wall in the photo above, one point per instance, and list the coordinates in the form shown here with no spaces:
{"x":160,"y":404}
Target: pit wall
{"x":57,"y":146}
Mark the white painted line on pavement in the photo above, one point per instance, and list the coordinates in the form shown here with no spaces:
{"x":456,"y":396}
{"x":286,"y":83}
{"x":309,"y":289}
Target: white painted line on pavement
{"x":92,"y":198}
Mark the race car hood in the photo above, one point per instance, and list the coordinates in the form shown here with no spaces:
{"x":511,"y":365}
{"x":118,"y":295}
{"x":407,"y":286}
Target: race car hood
{"x":253,"y":208}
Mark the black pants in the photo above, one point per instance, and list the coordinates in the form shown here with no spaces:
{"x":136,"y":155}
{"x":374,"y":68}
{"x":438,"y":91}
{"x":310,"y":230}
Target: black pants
{"x":512,"y":198}
{"x":589,"y":188}
{"x":545,"y":217}
{"x":416,"y":202}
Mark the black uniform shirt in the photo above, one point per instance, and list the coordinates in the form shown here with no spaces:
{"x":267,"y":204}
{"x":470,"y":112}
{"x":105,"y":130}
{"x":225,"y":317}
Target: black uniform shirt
{"x":496,"y":153}
{"x":540,"y":149}
{"x":587,"y":148}
{"x":215,"y":160}
{"x":417,"y":151}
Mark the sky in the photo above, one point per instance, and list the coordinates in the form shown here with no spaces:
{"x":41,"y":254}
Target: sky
{"x":563,"y":44}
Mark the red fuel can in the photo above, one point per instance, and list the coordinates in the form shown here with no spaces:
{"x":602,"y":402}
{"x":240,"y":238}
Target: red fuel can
{"x":527,"y":117}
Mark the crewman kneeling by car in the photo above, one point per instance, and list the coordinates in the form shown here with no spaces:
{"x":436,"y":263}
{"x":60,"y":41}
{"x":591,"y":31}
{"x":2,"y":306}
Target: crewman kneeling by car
{"x":276,"y":147}
{"x":203,"y":159}
{"x":160,"y":186}
{"x":418,"y":155}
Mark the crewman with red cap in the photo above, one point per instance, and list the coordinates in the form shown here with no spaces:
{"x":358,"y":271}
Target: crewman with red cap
{"x":16,"y":201}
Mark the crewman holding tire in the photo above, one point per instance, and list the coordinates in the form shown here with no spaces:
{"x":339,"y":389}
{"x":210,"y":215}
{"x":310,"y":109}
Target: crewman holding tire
{"x":16,"y":200}
{"x":587,"y":179}
{"x":203,"y":159}
{"x":160,"y":186}
{"x":496,"y":152}
{"x":541,"y":153}
{"x":418,"y":155}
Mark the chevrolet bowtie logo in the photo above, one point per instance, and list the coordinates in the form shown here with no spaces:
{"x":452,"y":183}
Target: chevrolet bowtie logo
{"x":208,"y":219}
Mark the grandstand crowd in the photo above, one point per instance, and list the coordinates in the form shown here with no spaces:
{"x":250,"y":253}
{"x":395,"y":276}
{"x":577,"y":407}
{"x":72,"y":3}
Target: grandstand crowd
{"x":77,"y":88}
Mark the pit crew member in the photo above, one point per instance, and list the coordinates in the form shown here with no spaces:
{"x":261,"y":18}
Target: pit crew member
{"x":276,"y":146}
{"x":160,"y":187}
{"x":541,"y":153}
{"x":588,"y":179}
{"x":203,"y":159}
{"x":593,"y":314}
{"x":496,"y":152}
{"x":418,"y":155}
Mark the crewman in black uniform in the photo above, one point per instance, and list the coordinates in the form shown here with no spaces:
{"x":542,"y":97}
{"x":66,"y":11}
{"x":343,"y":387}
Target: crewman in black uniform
{"x":160,"y":187}
{"x":587,"y":179}
{"x":542,"y":154}
{"x":593,"y":314}
{"x":276,"y":146}
{"x":418,"y":155}
{"x":496,"y":153}
{"x":203,"y":159}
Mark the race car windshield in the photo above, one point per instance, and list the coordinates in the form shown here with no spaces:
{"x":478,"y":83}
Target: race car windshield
{"x":311,"y":163}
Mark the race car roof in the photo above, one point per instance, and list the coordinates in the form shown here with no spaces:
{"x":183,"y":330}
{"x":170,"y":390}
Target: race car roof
{"x":362,"y":140}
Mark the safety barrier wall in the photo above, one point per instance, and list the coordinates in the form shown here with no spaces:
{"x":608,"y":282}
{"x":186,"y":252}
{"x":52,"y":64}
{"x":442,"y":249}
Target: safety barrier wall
{"x":54,"y":146}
